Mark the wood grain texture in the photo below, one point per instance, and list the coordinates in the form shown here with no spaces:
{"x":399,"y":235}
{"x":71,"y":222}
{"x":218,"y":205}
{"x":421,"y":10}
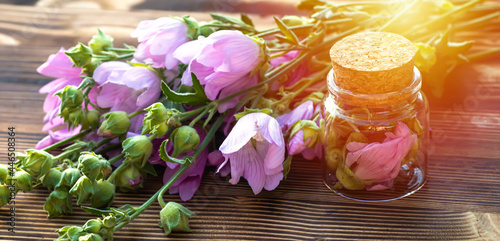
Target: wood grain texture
{"x":461,"y":200}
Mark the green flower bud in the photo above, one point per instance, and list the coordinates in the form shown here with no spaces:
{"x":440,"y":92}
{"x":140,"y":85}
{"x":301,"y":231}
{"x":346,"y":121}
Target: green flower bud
{"x":21,"y":156}
{"x":58,"y":203}
{"x":100,"y":42}
{"x":206,"y":31}
{"x":115,"y":123}
{"x":4,"y":174}
{"x":333,"y":156}
{"x":105,"y":232}
{"x":93,"y":118}
{"x":71,"y":105}
{"x":37,"y":162}
{"x":80,"y":55}
{"x":23,"y":181}
{"x":51,"y":179}
{"x":137,"y":149}
{"x":155,"y":120}
{"x":292,"y":20}
{"x":109,"y":221}
{"x":69,"y":177}
{"x":92,"y":226}
{"x":310,"y":130}
{"x":175,"y":217}
{"x":69,"y":233}
{"x":71,"y":97}
{"x":94,"y":166}
{"x":77,"y":117}
{"x":129,"y":178}
{"x":90,"y":237}
{"x":82,"y":190}
{"x":104,"y":193}
{"x":5,"y":195}
{"x":184,"y":139}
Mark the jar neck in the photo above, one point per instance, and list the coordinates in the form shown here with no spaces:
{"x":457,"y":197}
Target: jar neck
{"x":361,"y":106}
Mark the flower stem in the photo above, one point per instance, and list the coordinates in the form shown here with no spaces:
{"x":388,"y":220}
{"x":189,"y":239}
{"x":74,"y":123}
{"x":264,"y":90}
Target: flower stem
{"x":199,"y":117}
{"x":189,"y":114}
{"x":65,"y":141}
{"x":67,"y":153}
{"x":133,"y":114}
{"x":482,"y":54}
{"x":120,"y":50}
{"x":100,"y":143}
{"x":125,"y":56}
{"x":148,"y":203}
{"x":112,"y":176}
{"x":116,"y":158}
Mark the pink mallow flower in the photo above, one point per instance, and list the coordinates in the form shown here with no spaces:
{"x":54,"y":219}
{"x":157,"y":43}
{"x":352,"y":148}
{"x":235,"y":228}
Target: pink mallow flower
{"x":123,"y":87}
{"x":57,"y":66}
{"x":380,"y":162}
{"x":256,"y":150}
{"x":158,"y":40}
{"x":224,"y":59}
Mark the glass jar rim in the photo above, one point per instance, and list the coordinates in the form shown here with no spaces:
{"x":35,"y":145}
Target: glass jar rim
{"x":407,"y":91}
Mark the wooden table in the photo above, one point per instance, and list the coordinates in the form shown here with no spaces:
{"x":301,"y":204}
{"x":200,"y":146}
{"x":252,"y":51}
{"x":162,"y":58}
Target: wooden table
{"x":461,"y":200}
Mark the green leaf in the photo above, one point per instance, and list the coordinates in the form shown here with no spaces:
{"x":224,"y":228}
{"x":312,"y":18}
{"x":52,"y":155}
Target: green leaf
{"x":247,"y":20}
{"x":194,"y":99}
{"x":149,"y":168}
{"x":283,"y":39}
{"x":231,"y":20}
{"x":289,"y":34}
{"x":172,"y":105}
{"x":96,"y":211}
{"x":286,"y":166}
{"x":164,"y":155}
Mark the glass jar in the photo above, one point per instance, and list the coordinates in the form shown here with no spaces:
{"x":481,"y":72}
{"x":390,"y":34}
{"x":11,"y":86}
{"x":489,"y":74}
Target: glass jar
{"x":375,"y":145}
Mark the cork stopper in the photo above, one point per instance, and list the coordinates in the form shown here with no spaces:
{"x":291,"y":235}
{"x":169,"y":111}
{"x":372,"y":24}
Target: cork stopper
{"x":373,"y":62}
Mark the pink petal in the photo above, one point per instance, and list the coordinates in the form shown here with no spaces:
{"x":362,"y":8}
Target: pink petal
{"x":273,"y":161}
{"x":249,"y":164}
{"x":304,"y":111}
{"x":188,"y":187}
{"x":59,"y":65}
{"x":45,"y":142}
{"x":188,"y":51}
{"x":272,"y":181}
{"x":243,"y":83}
{"x":142,"y":54}
{"x":275,"y":62}
{"x":215,"y":158}
{"x":240,"y":135}
{"x":381,"y":161}
{"x":296,"y":144}
{"x":103,"y":71}
{"x":57,"y":84}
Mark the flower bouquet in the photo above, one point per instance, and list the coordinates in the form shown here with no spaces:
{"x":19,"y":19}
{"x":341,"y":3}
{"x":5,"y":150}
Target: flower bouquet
{"x":196,"y":94}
